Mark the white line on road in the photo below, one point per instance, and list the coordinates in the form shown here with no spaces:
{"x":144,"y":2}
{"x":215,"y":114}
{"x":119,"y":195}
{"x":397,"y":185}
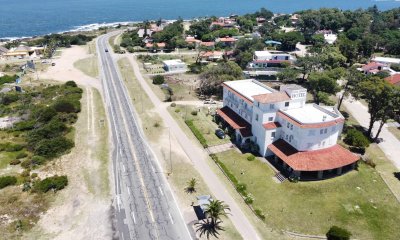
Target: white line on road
{"x":172,"y":221}
{"x":161,"y":191}
{"x":133,"y":216}
{"x":129,"y":191}
{"x":152,"y":168}
{"x":123,"y":168}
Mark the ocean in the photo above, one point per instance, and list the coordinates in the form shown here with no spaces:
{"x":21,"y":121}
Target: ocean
{"x":25,"y":18}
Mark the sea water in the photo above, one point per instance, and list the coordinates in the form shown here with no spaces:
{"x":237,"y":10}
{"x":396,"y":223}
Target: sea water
{"x":20,"y":18}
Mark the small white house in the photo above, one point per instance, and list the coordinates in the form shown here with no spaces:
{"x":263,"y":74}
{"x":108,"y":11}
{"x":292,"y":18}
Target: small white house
{"x":386,"y":60}
{"x":330,"y":38}
{"x":175,"y":65}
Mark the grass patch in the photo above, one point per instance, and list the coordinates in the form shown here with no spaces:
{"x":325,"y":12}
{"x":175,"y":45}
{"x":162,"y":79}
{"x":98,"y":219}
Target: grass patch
{"x":395,"y":131}
{"x":88,"y":66}
{"x":359,"y":200}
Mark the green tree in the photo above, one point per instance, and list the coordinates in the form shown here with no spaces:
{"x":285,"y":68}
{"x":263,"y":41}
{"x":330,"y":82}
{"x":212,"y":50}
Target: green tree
{"x":390,"y":109}
{"x":353,"y":77}
{"x":337,"y":233}
{"x":321,"y":84}
{"x":307,"y":64}
{"x":289,"y":40}
{"x":356,"y":139}
{"x":212,"y":224}
{"x":288,"y":75}
{"x":191,"y":186}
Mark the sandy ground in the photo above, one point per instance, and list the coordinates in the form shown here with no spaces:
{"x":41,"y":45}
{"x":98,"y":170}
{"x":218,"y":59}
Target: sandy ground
{"x":64,"y":69}
{"x":83,"y":209}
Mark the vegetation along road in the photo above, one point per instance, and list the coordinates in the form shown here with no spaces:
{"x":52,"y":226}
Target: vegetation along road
{"x":145,"y":206}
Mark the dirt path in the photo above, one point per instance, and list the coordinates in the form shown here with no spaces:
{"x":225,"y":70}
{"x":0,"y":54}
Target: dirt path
{"x":83,"y":209}
{"x":64,"y":69}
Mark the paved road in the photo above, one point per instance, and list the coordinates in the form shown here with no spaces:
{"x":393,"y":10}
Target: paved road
{"x":144,"y":205}
{"x":390,"y":144}
{"x":199,"y":157}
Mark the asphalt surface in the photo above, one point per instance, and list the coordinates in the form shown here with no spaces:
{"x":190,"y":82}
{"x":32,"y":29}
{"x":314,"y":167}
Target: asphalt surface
{"x":145,"y":207}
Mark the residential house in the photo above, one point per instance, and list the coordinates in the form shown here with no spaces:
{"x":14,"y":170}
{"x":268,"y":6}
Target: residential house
{"x":226,"y":41}
{"x":372,"y":68}
{"x":174,"y":66}
{"x":212,"y":56}
{"x":294,"y":19}
{"x":299,"y":138}
{"x":269,"y":62}
{"x":159,"y":46}
{"x":386,"y":60}
{"x":144,"y":32}
{"x":207,"y":44}
{"x":394,"y":79}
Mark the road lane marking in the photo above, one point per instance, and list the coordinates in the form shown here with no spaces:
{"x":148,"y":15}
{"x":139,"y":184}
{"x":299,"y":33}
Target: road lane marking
{"x":129,"y":191}
{"x":170,"y":217}
{"x":123,"y":168}
{"x":152,"y":168}
{"x":162,"y":193}
{"x":133,"y":217}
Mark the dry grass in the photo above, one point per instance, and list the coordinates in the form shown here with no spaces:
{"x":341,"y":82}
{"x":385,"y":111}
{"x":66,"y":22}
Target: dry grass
{"x":88,"y":66}
{"x":395,"y":131}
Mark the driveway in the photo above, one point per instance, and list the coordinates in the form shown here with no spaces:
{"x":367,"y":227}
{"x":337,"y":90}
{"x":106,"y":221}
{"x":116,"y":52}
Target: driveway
{"x":390,"y":145}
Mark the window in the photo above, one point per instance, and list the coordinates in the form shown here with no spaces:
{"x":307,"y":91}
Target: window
{"x":323,"y":143}
{"x":291,"y":126}
{"x":288,"y":125}
{"x":286,"y":137}
{"x":273,"y":134}
{"x":321,"y":131}
{"x":286,"y":104}
{"x":256,"y":117}
{"x":290,"y":138}
{"x":270,"y":119}
{"x":258,"y":104}
{"x":272,"y":106}
{"x":325,"y":130}
{"x":333,"y":128}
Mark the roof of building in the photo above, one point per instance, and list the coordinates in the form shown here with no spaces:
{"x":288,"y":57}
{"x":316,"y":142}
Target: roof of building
{"x":262,"y":53}
{"x":270,"y":61}
{"x":394,"y":79}
{"x":272,"y":125}
{"x":318,"y":160}
{"x":235,"y":121}
{"x":249,"y":88}
{"x":272,"y":97}
{"x":372,"y":65}
{"x":312,"y":116}
{"x":173,"y":62}
{"x":22,"y":48}
{"x":386,"y":59}
{"x":227,"y":39}
{"x":211,"y":54}
{"x":207,"y":44}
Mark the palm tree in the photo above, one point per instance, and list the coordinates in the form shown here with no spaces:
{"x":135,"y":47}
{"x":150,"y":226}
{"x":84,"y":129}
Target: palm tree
{"x":191,"y":186}
{"x":211,"y":224}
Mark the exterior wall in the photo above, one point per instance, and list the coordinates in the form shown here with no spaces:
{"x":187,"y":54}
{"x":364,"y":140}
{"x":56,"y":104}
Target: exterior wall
{"x":237,"y":104}
{"x":175,"y":67}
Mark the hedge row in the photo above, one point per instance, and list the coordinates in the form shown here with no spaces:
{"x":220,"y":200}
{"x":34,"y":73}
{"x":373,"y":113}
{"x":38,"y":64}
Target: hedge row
{"x":197,"y":133}
{"x":7,"y":181}
{"x":51,"y":183}
{"x":240,"y":187}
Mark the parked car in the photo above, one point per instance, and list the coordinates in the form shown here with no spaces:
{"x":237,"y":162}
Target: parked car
{"x":209,"y":101}
{"x":106,"y":50}
{"x":53,"y":64}
{"x":220,"y":133}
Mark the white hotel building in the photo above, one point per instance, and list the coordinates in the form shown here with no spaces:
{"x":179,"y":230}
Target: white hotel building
{"x":299,"y":137}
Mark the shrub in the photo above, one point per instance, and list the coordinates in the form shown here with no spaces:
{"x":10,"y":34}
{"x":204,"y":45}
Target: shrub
{"x":337,"y":233}
{"x":251,"y":158}
{"x":26,"y":173}
{"x":15,"y":162}
{"x":197,"y":133}
{"x":156,"y":125}
{"x":194,"y":113}
{"x":26,"y":164}
{"x":71,"y":84}
{"x":7,"y":181}
{"x":67,"y":106}
{"x":260,"y":214}
{"x":356,"y":139}
{"x":241,"y":188}
{"x":13,"y":147}
{"x":38,"y":160}
{"x":177,"y":110}
{"x":249,"y":199}
{"x":173,"y":104}
{"x":158,"y":80}
{"x":34,"y":175}
{"x":51,"y":148}
{"x":51,"y":183}
{"x":21,"y":155}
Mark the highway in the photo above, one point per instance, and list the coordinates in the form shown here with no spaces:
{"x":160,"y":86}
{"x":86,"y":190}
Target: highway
{"x":145,"y":207}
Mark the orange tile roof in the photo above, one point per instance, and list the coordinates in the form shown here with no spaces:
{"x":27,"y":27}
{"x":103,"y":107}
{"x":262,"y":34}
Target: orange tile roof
{"x":394,"y":79}
{"x":235,"y":121}
{"x":318,"y":160}
{"x":310,"y":125}
{"x":272,"y":97}
{"x":271,"y":125}
{"x":227,"y":39}
{"x":371,"y":66}
{"x":207,"y":44}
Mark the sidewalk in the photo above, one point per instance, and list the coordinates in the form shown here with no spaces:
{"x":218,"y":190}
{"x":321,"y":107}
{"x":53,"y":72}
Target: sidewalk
{"x":198,"y":157}
{"x":390,"y":145}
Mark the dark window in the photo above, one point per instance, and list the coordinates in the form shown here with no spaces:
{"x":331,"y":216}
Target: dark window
{"x":286,"y":104}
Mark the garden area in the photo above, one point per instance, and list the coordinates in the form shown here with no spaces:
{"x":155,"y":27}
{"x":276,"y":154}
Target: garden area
{"x":359,"y":200}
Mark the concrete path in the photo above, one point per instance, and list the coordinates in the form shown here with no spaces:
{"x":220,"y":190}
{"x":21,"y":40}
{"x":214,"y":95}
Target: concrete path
{"x":390,"y":145}
{"x":198,"y":157}
{"x":220,"y":148}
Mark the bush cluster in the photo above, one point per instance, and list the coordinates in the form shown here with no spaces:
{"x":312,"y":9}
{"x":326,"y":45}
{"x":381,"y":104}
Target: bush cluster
{"x":158,"y":80}
{"x":7,"y":181}
{"x":197,"y":133}
{"x":337,"y":233}
{"x":356,"y":139}
{"x":9,"y":147}
{"x":251,"y":158}
{"x":51,"y":183}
